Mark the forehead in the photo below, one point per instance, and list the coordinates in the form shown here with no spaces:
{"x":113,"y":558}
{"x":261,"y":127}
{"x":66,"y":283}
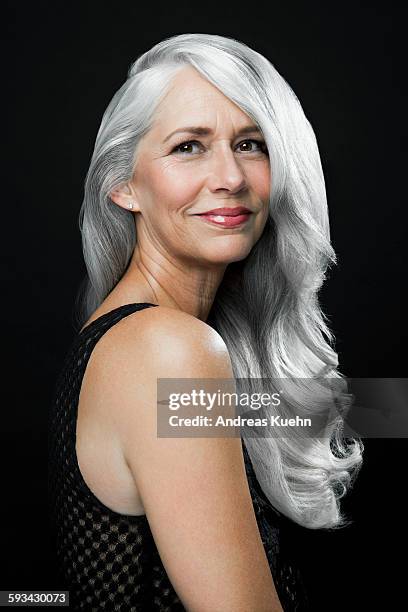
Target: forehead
{"x":192,"y":99}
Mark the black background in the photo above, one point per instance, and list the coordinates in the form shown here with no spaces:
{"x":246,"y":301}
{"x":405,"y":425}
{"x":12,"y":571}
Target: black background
{"x":61,"y":65}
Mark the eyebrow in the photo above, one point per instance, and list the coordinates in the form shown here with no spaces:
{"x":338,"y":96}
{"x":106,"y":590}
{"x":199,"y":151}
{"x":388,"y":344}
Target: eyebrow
{"x":205,"y":131}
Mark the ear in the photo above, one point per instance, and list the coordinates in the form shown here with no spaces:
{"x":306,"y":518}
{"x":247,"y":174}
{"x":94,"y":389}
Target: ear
{"x":125,"y":197}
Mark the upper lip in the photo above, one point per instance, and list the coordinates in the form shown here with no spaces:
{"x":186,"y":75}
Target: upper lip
{"x":230,"y":212}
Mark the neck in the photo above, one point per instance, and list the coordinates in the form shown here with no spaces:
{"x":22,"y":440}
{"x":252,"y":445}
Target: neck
{"x":163,"y":281}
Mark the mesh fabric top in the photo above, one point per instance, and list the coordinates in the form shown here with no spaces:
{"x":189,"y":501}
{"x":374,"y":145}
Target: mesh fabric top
{"x":109,"y":561}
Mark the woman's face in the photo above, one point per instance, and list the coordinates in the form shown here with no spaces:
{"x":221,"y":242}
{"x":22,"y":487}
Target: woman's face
{"x":180,"y":175}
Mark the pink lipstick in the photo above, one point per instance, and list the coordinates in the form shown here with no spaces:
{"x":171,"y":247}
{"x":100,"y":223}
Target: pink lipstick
{"x":227,"y":217}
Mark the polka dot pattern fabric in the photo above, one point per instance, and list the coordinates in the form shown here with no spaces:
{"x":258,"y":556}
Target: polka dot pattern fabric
{"x":109,"y":561}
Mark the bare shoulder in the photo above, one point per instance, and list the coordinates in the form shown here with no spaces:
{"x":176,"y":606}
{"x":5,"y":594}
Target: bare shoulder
{"x":162,"y":335}
{"x":163,"y":320}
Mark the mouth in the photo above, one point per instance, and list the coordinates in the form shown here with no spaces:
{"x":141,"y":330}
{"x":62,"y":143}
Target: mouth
{"x":226,"y":217}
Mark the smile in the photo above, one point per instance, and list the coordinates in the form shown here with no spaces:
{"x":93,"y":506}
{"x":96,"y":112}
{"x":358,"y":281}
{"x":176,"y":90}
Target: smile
{"x":225,"y":220}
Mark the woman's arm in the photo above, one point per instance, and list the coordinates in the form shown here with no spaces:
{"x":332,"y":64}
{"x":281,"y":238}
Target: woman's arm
{"x":194,"y":490}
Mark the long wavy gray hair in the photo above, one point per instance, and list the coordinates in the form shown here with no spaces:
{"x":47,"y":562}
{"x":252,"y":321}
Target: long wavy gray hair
{"x":266,"y":308}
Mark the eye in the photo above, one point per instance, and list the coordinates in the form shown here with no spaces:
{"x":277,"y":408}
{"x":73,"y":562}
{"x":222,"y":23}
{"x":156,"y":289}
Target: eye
{"x":179,"y":148}
{"x":260,"y":143}
{"x":183,"y":146}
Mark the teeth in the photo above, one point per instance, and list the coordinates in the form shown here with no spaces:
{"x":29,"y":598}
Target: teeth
{"x":221,"y":218}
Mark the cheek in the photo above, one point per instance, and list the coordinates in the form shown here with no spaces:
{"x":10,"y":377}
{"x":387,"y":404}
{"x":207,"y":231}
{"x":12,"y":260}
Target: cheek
{"x":261,"y":183}
{"x":172,"y":186}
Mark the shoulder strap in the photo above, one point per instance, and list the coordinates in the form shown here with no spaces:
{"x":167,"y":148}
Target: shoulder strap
{"x":109,"y":319}
{"x":84,"y":342}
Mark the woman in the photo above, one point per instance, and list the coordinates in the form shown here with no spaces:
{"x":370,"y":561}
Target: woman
{"x":177,"y":287}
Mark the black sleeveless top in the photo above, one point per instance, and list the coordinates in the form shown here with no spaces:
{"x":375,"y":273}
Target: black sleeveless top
{"x":109,"y":561}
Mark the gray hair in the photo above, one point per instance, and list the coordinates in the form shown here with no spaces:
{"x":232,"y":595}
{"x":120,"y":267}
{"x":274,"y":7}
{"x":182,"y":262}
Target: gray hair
{"x":266,"y":308}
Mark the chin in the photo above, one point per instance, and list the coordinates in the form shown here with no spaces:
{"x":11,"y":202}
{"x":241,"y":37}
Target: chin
{"x":229,"y":253}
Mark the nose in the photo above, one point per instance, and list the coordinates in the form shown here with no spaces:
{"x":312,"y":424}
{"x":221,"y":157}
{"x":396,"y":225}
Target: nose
{"x":226,"y":171}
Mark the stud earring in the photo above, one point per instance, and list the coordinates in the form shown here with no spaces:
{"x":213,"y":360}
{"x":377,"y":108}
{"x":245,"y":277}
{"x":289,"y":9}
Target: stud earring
{"x":130,"y":205}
